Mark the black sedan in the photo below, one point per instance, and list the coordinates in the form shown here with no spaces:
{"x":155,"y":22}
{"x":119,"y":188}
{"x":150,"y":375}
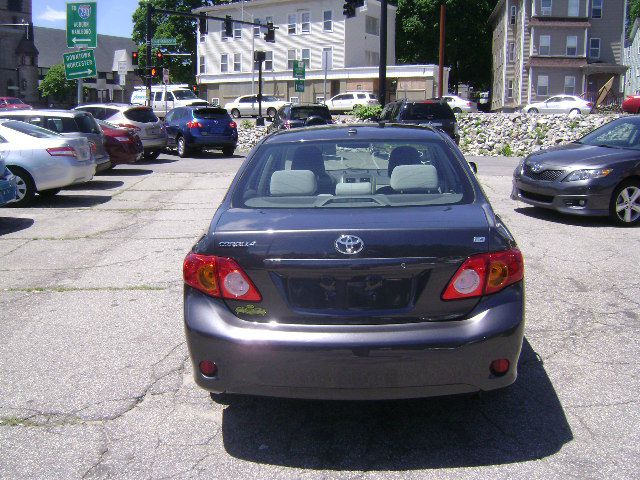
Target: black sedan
{"x":331,"y":273}
{"x":300,"y":115}
{"x":596,"y":175}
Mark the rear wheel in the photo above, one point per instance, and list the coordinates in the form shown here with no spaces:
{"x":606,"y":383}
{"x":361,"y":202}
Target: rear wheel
{"x":625,"y":204}
{"x":532,"y":110}
{"x":577,"y":111}
{"x":181,"y":146}
{"x":49,"y":193}
{"x":235,"y":113}
{"x":228,"y":151}
{"x":26,"y":187}
{"x":457,"y":110}
{"x":271,"y":112}
{"x":151,"y":154}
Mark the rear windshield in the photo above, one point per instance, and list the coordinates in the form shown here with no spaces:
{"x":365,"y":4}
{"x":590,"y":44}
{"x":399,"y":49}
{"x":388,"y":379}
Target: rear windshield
{"x":183,"y":94}
{"x":29,"y":129}
{"x":302,"y":113}
{"x":428,"y":111}
{"x":206,"y":113}
{"x":13,"y":101}
{"x":141,"y":115}
{"x":343,"y":174}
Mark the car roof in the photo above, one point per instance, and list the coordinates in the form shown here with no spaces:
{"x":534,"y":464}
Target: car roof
{"x":45,"y":111}
{"x":363,"y":131}
{"x":307,"y":105}
{"x":112,"y":104}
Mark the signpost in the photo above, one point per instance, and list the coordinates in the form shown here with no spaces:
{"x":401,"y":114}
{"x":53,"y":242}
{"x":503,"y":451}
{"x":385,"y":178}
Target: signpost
{"x":163,"y":41}
{"x":80,"y":64}
{"x":81,"y":25}
{"x":299,"y":85}
{"x":122,"y":73}
{"x":298,"y":69}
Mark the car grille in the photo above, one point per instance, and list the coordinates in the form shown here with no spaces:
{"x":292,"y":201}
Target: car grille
{"x":545,"y":175}
{"x":536,"y":197}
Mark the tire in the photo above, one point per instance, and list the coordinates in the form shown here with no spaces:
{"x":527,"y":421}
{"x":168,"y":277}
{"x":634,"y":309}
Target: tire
{"x":271,"y":112}
{"x":457,"y":110}
{"x":151,"y":154}
{"x":26,"y":187}
{"x":181,"y":147}
{"x":228,"y":151}
{"x":235,"y":113}
{"x":624,"y":209}
{"x":532,"y":110}
{"x":575,"y":110}
{"x":49,"y":193}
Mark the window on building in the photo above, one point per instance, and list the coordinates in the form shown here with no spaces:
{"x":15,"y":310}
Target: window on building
{"x":544,"y":47}
{"x":268,"y":61}
{"x":202,"y":65}
{"x":512,"y":15}
{"x":572,"y":46}
{"x":512,"y":52}
{"x":542,"y":89}
{"x":594,"y":48}
{"x":224,"y":63}
{"x":327,"y":24}
{"x":574,"y":8}
{"x":569,"y":85}
{"x":306,"y":58}
{"x":292,"y":24}
{"x":372,"y":58}
{"x":327,"y":58}
{"x":291,"y":57}
{"x":237,"y":30}
{"x":256,"y":29}
{"x":305,"y":22}
{"x":223,"y":32}
{"x":596,"y":8}
{"x":372,"y":25}
{"x":545,"y":7}
{"x":14,"y":6}
{"x":509,"y":88}
{"x":237,"y":62}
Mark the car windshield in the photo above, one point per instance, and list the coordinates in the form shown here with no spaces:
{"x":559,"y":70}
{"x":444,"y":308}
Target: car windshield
{"x":622,"y":133}
{"x":269,"y":98}
{"x":428,"y":111}
{"x":28,"y":129}
{"x":210,"y":113}
{"x":302,"y":113}
{"x":344,"y":174}
{"x":141,"y":115}
{"x":14,"y":101}
{"x":183,"y":94}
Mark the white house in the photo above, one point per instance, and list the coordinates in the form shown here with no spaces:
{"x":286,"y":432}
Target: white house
{"x":340,"y":54}
{"x":632,"y":60}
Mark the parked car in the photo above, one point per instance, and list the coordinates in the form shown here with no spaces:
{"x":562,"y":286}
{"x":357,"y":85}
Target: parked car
{"x":345,"y":102}
{"x":122,"y":144}
{"x":596,"y":175}
{"x":166,"y":98}
{"x":70,"y":124}
{"x":247,"y":106}
{"x":436,"y":113}
{"x":13,"y":103}
{"x":138,"y":118}
{"x":300,"y":115}
{"x":328,"y":273}
{"x":195,"y":128}
{"x":459,"y":105}
{"x":8,"y":187}
{"x":43,"y":161}
{"x":631,"y":104}
{"x":560,"y":104}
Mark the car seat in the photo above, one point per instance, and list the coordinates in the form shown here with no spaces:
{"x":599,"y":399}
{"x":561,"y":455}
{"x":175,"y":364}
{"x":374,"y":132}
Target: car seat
{"x":403,"y":155}
{"x":310,"y":158}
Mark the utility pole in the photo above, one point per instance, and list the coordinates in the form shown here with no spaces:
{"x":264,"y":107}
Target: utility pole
{"x":441,"y":63}
{"x":148,"y":51}
{"x":382,"y":71}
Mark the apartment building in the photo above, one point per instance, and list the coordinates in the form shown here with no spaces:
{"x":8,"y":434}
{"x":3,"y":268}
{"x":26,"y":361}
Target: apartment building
{"x":549,"y":47}
{"x":340,"y":54}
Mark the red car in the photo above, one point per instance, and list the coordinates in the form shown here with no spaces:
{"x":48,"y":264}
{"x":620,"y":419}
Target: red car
{"x":631,"y":104}
{"x":13,"y":103}
{"x":122,"y":144}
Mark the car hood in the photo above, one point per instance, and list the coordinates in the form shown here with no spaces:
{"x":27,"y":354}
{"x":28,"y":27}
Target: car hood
{"x":577,"y":155}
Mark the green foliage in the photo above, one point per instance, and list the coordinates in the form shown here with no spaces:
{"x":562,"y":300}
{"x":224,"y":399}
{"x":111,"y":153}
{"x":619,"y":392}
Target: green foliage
{"x":468,"y":37}
{"x":55,"y":84}
{"x":246,"y":124}
{"x":634,"y":11}
{"x":365,"y":112}
{"x":506,"y":150}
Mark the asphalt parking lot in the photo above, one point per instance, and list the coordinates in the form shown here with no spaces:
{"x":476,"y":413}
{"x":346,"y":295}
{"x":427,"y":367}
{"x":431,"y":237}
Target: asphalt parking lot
{"x":95,"y":380}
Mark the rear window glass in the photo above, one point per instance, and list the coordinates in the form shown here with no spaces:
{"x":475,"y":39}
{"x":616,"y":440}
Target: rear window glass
{"x":302,"y":113}
{"x":206,"y":113}
{"x":183,"y":94}
{"x":13,"y":101}
{"x":142,"y":115}
{"x":85,"y":124}
{"x":428,"y":111}
{"x":269,"y":98}
{"x":347,"y":174}
{"x":28,"y":129}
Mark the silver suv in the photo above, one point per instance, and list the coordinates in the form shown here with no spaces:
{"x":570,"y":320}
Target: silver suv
{"x":138,"y":118}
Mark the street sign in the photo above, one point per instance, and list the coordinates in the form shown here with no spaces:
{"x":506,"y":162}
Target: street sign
{"x":81,"y":25}
{"x":299,"y":84}
{"x":163,"y":41}
{"x":122,"y":73}
{"x":165,"y":76}
{"x":298,"y":69}
{"x":81,"y":64}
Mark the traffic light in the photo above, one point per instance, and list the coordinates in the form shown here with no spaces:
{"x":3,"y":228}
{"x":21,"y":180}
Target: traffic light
{"x":349,"y":7}
{"x":195,"y":89}
{"x":228,"y":26}
{"x":159,"y":56}
{"x":154,"y":72}
{"x":270,"y":34}
{"x":259,"y":56}
{"x":204,"y":27}
{"x":134,"y":58}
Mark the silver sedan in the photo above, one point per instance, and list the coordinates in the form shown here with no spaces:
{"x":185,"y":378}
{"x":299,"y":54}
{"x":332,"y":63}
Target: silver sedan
{"x":560,"y":104}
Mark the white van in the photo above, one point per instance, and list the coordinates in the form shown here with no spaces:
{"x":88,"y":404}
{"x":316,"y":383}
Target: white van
{"x":166,"y":97}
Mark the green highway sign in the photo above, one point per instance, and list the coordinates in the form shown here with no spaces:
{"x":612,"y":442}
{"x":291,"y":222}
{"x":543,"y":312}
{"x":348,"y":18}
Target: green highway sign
{"x":163,"y":41}
{"x":80,"y":64}
{"x":81,"y":25}
{"x":299,"y":84}
{"x":298,"y":69}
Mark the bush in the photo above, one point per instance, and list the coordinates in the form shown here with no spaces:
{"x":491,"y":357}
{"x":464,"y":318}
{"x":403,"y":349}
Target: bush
{"x":246,"y":124}
{"x":506,"y":151}
{"x":362,"y":112}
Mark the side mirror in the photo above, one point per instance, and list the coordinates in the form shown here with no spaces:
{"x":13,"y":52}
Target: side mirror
{"x":474,"y":167}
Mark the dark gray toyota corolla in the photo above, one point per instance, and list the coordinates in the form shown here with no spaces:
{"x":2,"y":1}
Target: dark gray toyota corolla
{"x":354,"y":262}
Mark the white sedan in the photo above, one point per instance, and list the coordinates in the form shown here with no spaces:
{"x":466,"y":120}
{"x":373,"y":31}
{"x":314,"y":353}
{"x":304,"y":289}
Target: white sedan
{"x":560,"y":104}
{"x":458,"y":104}
{"x":43,"y":161}
{"x":247,"y":105}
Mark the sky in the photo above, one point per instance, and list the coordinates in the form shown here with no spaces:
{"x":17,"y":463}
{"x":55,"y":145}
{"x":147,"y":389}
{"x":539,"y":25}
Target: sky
{"x":114,"y":16}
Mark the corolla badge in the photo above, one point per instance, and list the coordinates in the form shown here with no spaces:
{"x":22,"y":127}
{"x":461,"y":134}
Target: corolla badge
{"x":536,"y":167}
{"x":349,"y":244}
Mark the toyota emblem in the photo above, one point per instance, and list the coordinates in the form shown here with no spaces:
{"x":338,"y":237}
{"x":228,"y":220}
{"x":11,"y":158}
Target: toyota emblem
{"x":536,"y":167}
{"x":349,"y":244}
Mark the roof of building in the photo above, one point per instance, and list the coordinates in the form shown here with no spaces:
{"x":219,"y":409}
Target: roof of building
{"x":495,"y":11}
{"x":632,"y":35}
{"x":51,"y":43}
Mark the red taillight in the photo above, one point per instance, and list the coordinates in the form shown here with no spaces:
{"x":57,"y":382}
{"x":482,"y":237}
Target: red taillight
{"x":208,"y":368}
{"x":589,"y":104}
{"x":500,"y":367}
{"x":485,"y":274}
{"x":62,"y":152}
{"x":194,"y":124}
{"x":129,"y":126}
{"x":219,"y":277}
{"x":233,"y":125}
{"x":469,"y":104}
{"x":287,"y":124}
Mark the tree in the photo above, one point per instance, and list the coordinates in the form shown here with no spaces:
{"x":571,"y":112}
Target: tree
{"x":468,"y":37}
{"x":183,"y":29}
{"x":55,"y":84}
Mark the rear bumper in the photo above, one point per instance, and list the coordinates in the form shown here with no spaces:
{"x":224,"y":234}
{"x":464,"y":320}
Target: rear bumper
{"x":355,"y":362}
{"x":156,"y":143}
{"x":212,"y":140}
{"x":64,"y":173}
